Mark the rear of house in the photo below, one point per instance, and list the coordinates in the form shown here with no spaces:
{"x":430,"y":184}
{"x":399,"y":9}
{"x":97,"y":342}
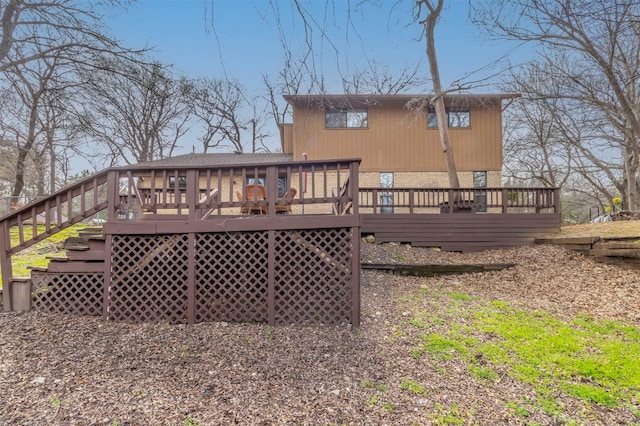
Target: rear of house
{"x":397,"y":138}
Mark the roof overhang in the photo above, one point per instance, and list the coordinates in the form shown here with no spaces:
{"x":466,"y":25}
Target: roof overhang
{"x":362,"y":100}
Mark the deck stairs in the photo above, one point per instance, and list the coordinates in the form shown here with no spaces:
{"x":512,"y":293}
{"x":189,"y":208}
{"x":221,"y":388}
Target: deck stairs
{"x":83,"y":253}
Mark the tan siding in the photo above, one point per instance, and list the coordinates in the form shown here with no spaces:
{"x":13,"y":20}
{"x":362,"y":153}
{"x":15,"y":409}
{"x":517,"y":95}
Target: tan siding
{"x":286,"y":138}
{"x":399,"y":140}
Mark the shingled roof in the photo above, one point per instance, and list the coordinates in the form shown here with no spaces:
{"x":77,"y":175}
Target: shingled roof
{"x":345,"y":100}
{"x":222,"y":159}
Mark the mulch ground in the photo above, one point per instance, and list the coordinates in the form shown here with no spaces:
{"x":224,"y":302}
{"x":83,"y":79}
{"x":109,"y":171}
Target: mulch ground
{"x":68,"y":370}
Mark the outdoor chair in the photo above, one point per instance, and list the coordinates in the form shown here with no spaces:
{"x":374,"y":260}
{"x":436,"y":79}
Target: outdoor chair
{"x":284,"y":202}
{"x":253,"y":193}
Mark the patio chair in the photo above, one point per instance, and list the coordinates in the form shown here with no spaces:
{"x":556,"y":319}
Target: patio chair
{"x":285,"y":207}
{"x":253,"y":193}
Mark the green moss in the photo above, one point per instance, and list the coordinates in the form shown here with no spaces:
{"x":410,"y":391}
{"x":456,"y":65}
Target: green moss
{"x":36,"y":255}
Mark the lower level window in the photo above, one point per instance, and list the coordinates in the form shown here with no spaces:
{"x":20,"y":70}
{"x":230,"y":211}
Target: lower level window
{"x":480,"y":196}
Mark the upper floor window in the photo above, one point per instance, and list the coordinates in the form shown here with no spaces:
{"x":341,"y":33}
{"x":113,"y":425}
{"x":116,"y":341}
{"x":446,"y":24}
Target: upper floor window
{"x":457,"y":117}
{"x":346,"y":118}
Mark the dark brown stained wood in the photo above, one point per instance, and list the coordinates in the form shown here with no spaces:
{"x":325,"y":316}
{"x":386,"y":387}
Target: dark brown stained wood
{"x":460,"y":232}
{"x":177,"y":262}
{"x":75,"y":267}
{"x":86,"y":254}
{"x":434,"y":269}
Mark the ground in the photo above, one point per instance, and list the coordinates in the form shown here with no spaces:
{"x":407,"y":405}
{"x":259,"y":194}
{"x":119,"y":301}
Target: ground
{"x":65,"y":370}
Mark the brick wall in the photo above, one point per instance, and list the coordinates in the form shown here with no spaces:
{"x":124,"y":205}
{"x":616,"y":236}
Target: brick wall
{"x":428,"y":179}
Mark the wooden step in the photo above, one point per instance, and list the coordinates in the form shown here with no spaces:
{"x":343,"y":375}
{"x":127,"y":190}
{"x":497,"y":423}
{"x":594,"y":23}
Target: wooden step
{"x":610,"y":252}
{"x":609,"y":245}
{"x":74,"y":242}
{"x":86,"y":254}
{"x":567,"y":240}
{"x":71,"y":266}
{"x":96,"y":243}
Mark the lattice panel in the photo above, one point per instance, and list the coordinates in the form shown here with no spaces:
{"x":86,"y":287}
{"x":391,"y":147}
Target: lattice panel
{"x":67,"y":293}
{"x":231,"y":276}
{"x":149,"y":278}
{"x":313,"y":276}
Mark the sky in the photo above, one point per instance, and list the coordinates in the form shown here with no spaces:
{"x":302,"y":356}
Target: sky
{"x":241,"y":39}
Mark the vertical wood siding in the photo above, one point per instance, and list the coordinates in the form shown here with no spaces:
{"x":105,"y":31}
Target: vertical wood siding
{"x":398,"y":140}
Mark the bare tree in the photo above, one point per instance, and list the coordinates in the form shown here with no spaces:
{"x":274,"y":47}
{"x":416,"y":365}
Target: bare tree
{"x":35,"y":30}
{"x":535,"y":138}
{"x":373,"y":79}
{"x":137,"y":112}
{"x":289,"y":81}
{"x":599,"y":43}
{"x":22,"y":121}
{"x":218,"y":104}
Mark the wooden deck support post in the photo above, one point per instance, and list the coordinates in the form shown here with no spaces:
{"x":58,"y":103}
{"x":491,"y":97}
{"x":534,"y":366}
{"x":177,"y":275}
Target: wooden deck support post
{"x":5,"y":266}
{"x":354,"y":186}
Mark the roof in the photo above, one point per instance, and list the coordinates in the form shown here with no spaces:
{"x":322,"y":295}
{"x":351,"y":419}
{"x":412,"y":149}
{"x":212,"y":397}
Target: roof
{"x":222,"y":159}
{"x":345,"y":100}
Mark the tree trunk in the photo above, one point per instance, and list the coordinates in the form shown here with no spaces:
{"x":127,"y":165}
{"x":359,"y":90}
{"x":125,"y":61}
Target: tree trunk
{"x":630,"y":196}
{"x":441,"y":112}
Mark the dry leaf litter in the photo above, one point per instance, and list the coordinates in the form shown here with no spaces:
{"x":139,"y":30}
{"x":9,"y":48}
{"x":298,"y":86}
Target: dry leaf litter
{"x":71,"y":370}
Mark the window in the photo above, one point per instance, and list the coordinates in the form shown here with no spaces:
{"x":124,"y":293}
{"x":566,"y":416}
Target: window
{"x":386,"y":197}
{"x":182,"y":182}
{"x":480,"y":196}
{"x":459,"y":118}
{"x":346,"y":118}
{"x":282,"y":184}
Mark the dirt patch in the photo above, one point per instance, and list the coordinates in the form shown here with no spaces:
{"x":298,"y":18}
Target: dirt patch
{"x":67,"y":370}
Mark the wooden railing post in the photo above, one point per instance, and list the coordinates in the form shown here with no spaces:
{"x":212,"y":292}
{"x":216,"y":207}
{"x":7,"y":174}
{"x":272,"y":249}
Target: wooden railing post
{"x":5,"y":265}
{"x":505,"y":199}
{"x":411,"y":200}
{"x":271,"y":185}
{"x":192,"y":193}
{"x":113,"y":195}
{"x":354,"y":186}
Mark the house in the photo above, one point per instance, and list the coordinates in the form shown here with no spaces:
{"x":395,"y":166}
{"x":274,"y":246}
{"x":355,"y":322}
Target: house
{"x":184,"y":240}
{"x":397,"y":138}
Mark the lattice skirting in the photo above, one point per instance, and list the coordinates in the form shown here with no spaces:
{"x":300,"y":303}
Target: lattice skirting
{"x":279,"y":277}
{"x":67,"y":293}
{"x":310,"y":280}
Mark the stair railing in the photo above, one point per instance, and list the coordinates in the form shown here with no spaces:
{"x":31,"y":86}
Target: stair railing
{"x":48,"y":216}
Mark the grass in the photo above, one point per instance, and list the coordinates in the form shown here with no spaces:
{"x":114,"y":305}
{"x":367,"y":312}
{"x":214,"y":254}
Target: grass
{"x":36,"y":255}
{"x":621,"y":228}
{"x":413,"y":387}
{"x":595,"y":362}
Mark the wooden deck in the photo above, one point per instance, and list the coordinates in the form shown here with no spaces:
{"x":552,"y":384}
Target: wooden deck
{"x":480,"y":219}
{"x":181,"y":244}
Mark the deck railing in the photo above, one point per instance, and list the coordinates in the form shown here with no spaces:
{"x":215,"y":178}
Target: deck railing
{"x":446,"y":200}
{"x":199,"y":192}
